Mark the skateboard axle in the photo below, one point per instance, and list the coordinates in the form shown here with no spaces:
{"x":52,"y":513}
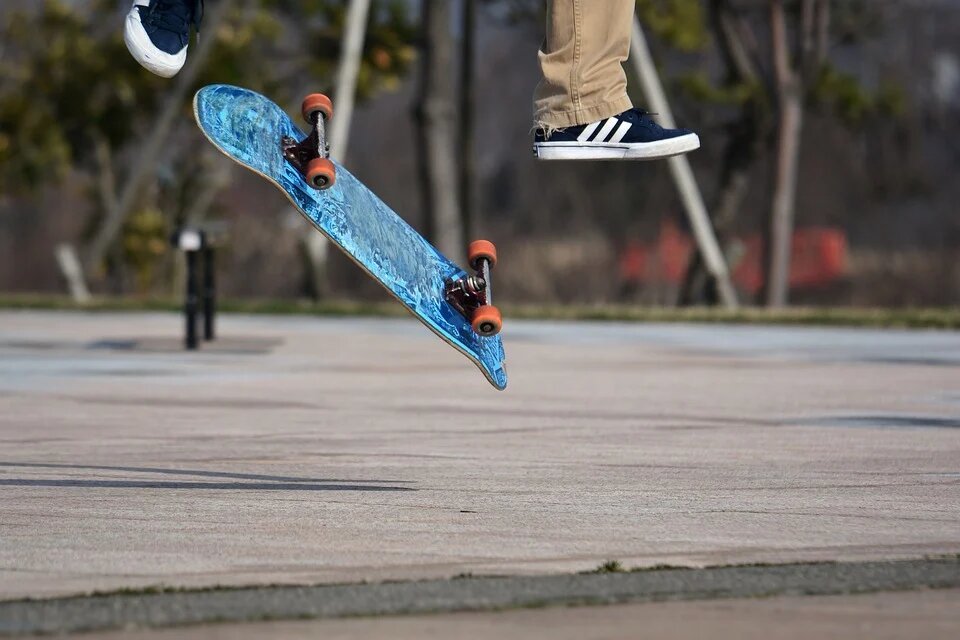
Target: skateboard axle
{"x":471,"y":292}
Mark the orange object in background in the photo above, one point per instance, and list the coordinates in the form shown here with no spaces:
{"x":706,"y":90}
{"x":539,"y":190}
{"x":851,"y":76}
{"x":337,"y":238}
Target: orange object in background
{"x":818,"y":258}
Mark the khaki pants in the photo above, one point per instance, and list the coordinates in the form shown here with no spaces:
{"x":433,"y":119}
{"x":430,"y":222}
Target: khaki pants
{"x":582,"y":62}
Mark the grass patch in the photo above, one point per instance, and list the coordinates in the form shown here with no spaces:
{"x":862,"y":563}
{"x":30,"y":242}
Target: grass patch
{"x":607,"y":567}
{"x":610,"y":566}
{"x":935,"y":318}
{"x":666,"y":567}
{"x":945,"y":318}
{"x":251,"y":306}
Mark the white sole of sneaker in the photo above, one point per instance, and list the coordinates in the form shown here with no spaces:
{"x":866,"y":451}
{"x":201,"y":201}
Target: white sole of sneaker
{"x":143,"y":50}
{"x":618,"y":151}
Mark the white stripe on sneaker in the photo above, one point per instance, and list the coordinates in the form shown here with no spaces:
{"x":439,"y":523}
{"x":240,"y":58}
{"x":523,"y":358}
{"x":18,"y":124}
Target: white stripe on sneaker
{"x":621,"y":132}
{"x":607,"y":128}
{"x":583,"y":137}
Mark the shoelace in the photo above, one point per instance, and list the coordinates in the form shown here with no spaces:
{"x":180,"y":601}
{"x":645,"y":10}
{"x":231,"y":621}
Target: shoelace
{"x":640,"y":115}
{"x":170,"y":15}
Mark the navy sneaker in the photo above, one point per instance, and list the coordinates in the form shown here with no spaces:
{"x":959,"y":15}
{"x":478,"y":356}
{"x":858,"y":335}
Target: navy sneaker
{"x":632,"y":135}
{"x":157,"y":33}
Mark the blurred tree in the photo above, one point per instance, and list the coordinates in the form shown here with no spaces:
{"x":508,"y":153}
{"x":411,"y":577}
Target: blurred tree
{"x":774,"y":67}
{"x":69,"y":85}
{"x":389,"y":43}
{"x":792,"y":70}
{"x":740,"y":88}
{"x":759,"y":65}
{"x":681,"y":23}
{"x":72,"y":99}
{"x":344,"y":33}
{"x":436,"y":118}
{"x":144,"y":243}
{"x":467,"y":127}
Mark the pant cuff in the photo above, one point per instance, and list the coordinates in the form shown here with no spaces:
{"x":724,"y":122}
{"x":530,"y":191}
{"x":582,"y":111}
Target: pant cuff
{"x":551,"y":120}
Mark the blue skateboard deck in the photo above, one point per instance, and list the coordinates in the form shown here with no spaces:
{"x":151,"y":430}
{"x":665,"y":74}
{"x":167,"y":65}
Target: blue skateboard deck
{"x":247,"y":127}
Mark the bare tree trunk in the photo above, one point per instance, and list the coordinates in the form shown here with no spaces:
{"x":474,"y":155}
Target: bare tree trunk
{"x":216,"y":178}
{"x":467,"y":122}
{"x":119,"y":209}
{"x":316,"y":248}
{"x":682,"y":172}
{"x":823,"y":31}
{"x":106,"y":178}
{"x":699,"y":286}
{"x":745,"y":140}
{"x":790,"y":97}
{"x":807,"y":29}
{"x":437,"y":128}
{"x":348,"y":70}
{"x":67,"y":257}
{"x":72,"y":272}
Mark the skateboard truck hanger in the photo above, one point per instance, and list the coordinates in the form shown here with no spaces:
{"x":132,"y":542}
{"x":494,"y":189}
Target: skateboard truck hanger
{"x":311,"y":156}
{"x":472,"y":295}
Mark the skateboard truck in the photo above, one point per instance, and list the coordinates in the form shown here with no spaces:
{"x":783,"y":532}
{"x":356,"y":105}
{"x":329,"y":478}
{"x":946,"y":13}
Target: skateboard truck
{"x":311,"y":156}
{"x":472,"y":295}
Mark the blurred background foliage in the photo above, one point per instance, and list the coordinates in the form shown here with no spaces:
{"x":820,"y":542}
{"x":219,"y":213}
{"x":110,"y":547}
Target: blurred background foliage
{"x":72,"y":104}
{"x":682,"y":24}
{"x":67,"y":85}
{"x":876,"y":162}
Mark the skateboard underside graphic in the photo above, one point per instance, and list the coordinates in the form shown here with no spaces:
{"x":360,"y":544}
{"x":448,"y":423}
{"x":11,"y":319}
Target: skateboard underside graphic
{"x":250,"y":129}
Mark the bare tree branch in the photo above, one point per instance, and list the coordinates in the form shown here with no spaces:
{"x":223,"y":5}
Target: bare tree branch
{"x":790,"y":101}
{"x":437,"y":121}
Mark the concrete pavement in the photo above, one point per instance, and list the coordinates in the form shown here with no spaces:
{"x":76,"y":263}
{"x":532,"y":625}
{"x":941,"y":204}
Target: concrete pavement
{"x":300,"y":450}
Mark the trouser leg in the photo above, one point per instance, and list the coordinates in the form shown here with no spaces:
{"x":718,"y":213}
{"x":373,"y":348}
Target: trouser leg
{"x":581,"y":61}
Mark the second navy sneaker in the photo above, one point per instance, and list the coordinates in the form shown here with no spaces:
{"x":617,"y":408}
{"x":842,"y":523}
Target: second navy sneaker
{"x":157,"y":33}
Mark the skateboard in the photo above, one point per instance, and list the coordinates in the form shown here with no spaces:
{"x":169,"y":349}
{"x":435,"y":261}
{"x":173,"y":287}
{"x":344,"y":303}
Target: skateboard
{"x":453,"y":303}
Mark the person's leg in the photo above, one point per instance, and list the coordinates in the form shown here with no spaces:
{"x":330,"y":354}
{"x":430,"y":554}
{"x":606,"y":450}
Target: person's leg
{"x":582,"y":58}
{"x":157,"y":32}
{"x":581,"y":107}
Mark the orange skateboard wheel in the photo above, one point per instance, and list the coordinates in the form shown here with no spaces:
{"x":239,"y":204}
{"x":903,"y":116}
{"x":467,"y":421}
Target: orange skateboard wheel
{"x":321,"y":174}
{"x":481,"y":249}
{"x":316,"y":102}
{"x":487,"y":321}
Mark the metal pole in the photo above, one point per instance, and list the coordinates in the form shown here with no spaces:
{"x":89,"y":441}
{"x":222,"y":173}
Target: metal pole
{"x":681,"y":170}
{"x":190,"y":306}
{"x":73,"y":272}
{"x":355,"y":32}
{"x":209,"y":291}
{"x":345,"y":90}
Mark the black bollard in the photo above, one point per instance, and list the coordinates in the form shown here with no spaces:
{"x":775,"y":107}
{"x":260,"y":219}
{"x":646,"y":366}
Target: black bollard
{"x":190,"y":307}
{"x":209,"y":291}
{"x":199,"y":248}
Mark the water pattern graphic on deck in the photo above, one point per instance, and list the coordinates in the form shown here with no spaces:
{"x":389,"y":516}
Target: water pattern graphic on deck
{"x":247,"y":127}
